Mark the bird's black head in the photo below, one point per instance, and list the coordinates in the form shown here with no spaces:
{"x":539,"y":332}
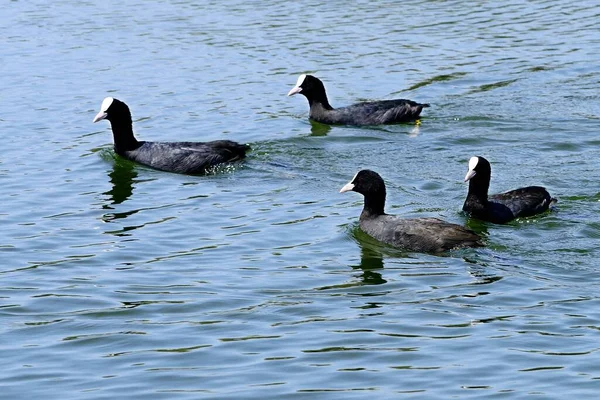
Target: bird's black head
{"x":479,"y":169}
{"x":371,"y":186}
{"x":365,"y":182}
{"x":312,"y":88}
{"x":479,"y":176}
{"x":119,"y":116}
{"x":113,"y":110}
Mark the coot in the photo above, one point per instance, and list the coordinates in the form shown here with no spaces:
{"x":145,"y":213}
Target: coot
{"x":419,"y":234}
{"x":181,"y":157}
{"x":504,"y":207}
{"x":368,"y":113}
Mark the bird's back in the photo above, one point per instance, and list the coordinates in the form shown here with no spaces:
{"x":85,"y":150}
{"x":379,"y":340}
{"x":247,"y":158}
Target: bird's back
{"x":524,"y":202}
{"x":187,"y":157}
{"x":419,"y":234}
{"x":371,"y":113}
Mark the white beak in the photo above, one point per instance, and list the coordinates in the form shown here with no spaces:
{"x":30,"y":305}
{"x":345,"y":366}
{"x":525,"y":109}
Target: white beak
{"x":295,"y":89}
{"x":347,"y":187}
{"x":100,"y":116}
{"x":470,"y":174}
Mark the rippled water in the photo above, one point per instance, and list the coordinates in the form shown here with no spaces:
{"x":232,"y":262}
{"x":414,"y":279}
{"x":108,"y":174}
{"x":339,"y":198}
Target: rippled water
{"x":121,"y":281}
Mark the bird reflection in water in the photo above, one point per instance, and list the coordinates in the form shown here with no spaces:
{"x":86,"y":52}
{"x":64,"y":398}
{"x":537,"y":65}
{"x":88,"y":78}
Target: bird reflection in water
{"x":370,"y":262}
{"x":122,"y":178}
{"x":371,"y":259}
{"x":319,"y":129}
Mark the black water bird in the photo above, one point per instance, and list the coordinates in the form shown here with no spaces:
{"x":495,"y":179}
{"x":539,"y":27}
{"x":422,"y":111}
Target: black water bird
{"x":180,"y":157}
{"x":366,"y":113}
{"x":430,"y":235}
{"x":503,"y":207}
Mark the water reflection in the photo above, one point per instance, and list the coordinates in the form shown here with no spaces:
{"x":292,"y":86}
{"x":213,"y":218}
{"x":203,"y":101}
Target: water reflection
{"x":414,"y":132}
{"x":480,"y":228}
{"x":371,"y":260}
{"x":121,"y":177}
{"x":371,"y":256}
{"x":319,"y":129}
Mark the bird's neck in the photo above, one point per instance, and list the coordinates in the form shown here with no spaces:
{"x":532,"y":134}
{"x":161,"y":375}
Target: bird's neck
{"x":319,"y":112}
{"x":374,"y":206}
{"x":123,"y":136}
{"x":478,"y":190}
{"x":321,"y":103}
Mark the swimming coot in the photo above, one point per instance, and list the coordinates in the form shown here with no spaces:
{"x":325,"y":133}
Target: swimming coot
{"x":419,"y":234}
{"x":181,"y":157}
{"x":368,"y":113}
{"x":504,"y":207}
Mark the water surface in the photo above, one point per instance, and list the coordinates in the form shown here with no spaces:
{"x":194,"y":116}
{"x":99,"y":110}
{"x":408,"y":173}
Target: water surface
{"x":255,"y":281}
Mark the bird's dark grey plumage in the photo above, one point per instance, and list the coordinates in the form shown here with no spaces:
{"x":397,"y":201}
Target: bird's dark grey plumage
{"x":430,"y":235}
{"x":367,"y":113}
{"x":503,"y":207}
{"x":180,"y":157}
